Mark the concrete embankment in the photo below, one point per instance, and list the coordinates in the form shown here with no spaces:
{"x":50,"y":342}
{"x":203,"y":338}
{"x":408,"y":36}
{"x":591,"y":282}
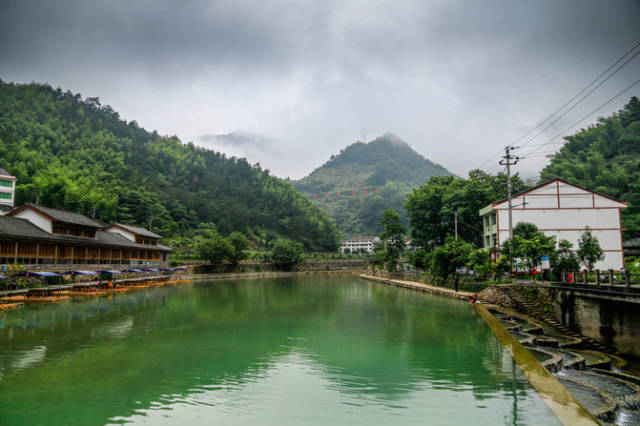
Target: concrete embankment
{"x":420,"y":287}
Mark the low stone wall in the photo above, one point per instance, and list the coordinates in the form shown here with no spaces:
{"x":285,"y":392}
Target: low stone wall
{"x":308,"y":265}
{"x":612,"y":323}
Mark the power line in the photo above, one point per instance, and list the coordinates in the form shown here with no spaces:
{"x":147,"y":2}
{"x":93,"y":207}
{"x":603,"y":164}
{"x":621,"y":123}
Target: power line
{"x":588,"y":93}
{"x":537,"y":126}
{"x":584,"y":89}
{"x":585,"y":117}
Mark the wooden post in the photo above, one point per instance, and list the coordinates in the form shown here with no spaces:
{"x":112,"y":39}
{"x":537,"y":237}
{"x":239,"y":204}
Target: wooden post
{"x":55,"y":255}
{"x":611,"y":277}
{"x":15,"y":253}
{"x":598,"y":277}
{"x":627,"y":279}
{"x":73,"y":259}
{"x":584,"y":276}
{"x":37,"y":253}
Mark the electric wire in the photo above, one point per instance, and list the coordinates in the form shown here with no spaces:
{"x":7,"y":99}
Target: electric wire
{"x":585,"y":117}
{"x":537,"y":126}
{"x":584,"y":97}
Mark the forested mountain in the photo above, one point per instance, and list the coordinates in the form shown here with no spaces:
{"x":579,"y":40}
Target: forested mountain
{"x":387,"y":168}
{"x":606,"y":157}
{"x":76,"y":154}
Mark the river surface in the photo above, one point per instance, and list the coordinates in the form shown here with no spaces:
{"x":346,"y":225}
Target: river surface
{"x":287,"y":351}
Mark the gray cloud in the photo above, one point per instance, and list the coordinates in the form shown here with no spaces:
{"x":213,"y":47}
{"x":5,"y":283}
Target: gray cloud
{"x":240,"y":140}
{"x":457,"y":80}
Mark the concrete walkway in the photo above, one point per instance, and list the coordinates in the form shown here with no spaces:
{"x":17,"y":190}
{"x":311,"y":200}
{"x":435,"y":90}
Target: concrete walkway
{"x":414,"y":285}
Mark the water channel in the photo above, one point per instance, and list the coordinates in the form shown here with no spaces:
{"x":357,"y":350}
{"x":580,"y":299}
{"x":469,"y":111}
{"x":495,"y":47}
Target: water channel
{"x":301,"y":350}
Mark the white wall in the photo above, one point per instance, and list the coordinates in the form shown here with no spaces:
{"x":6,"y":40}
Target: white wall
{"x":570,"y":225}
{"x":126,"y":234}
{"x":35,"y":218}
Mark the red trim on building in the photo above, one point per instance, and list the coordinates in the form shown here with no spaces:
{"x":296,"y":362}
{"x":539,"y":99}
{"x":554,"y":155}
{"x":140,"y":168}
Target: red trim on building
{"x":621,"y":245}
{"x":19,"y":209}
{"x":497,"y":228}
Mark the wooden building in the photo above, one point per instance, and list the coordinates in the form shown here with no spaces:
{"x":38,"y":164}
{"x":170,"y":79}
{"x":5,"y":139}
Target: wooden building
{"x":38,"y":235}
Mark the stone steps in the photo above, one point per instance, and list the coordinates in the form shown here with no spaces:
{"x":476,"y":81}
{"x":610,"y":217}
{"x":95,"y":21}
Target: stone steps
{"x":533,"y":310}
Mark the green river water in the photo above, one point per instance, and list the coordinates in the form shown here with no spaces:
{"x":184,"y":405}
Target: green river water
{"x":281,"y":351}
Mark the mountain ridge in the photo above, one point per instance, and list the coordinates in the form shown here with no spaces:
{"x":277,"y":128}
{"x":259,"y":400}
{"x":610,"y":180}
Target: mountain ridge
{"x":364,"y":179}
{"x":76,"y":154}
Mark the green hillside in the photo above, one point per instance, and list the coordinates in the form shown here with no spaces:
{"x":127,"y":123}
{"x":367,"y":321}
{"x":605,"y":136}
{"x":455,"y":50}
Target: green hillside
{"x":387,"y":168}
{"x":76,"y":154}
{"x":606,"y":158}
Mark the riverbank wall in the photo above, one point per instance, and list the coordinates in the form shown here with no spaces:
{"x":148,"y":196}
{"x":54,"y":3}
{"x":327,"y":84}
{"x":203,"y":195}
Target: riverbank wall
{"x":310,"y":265}
{"x":414,"y":285}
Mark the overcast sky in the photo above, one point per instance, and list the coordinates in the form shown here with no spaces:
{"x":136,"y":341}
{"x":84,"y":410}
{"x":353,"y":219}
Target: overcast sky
{"x":288,"y":83}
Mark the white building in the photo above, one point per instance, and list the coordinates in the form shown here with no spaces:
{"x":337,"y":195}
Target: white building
{"x":7,"y":191}
{"x":358,"y":244}
{"x":563,"y":210}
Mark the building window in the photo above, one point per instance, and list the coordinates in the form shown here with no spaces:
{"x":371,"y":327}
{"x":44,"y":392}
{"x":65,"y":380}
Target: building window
{"x":59,"y":229}
{"x":5,"y":195}
{"x":493,"y":219}
{"x":6,"y":183}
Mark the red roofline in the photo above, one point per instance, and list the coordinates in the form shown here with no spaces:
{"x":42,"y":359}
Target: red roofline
{"x":563,"y":181}
{"x":19,"y":209}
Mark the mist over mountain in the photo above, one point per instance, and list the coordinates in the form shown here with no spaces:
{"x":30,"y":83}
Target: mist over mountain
{"x":364,"y":179}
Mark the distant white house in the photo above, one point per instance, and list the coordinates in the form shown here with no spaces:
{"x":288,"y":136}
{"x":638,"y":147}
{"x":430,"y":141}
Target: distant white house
{"x":358,"y":244}
{"x":564,"y":210}
{"x":7,"y":191}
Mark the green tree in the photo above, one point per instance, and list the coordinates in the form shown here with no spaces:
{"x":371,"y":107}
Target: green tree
{"x":215,"y":250}
{"x":392,"y":235}
{"x":431,"y":208}
{"x":528,"y":245}
{"x":240,"y":244}
{"x":564,"y":260}
{"x":443,"y":261}
{"x":589,"y":250}
{"x":480,"y":261}
{"x":286,"y":253}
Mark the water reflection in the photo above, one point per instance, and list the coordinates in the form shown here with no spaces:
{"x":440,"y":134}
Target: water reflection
{"x":247,"y":352}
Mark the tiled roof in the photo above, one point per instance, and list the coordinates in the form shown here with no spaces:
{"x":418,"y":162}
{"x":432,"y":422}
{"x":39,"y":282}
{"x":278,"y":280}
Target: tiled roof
{"x":138,"y":231}
{"x":3,"y":172}
{"x":65,"y":216}
{"x":359,"y":239}
{"x":17,"y":228}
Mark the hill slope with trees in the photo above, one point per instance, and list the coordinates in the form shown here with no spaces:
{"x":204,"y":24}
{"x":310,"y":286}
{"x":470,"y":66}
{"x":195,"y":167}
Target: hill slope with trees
{"x":76,"y":154}
{"x":606,"y":158}
{"x":387,"y":168}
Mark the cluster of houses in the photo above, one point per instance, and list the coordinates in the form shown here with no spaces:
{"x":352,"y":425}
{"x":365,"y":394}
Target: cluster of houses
{"x":558,"y":208}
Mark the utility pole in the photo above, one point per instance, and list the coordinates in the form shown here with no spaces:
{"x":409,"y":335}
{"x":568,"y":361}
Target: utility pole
{"x":509,"y":160}
{"x":455,"y":216}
